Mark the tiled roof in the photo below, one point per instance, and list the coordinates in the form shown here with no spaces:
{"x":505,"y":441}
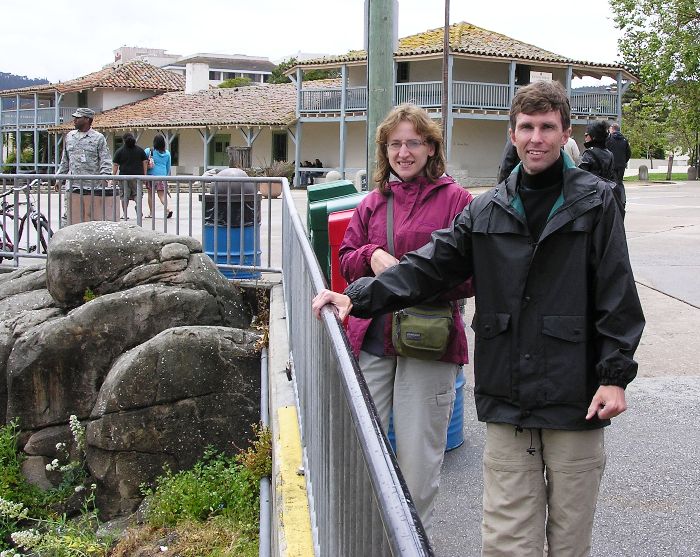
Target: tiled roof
{"x":253,"y":105}
{"x":132,"y":75}
{"x":465,"y":38}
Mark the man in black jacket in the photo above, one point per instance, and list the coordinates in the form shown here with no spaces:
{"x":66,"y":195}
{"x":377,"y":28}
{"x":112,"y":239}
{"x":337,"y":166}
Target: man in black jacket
{"x":620,"y":148}
{"x":557,"y":322}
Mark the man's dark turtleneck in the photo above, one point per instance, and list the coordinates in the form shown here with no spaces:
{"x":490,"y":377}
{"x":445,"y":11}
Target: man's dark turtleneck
{"x":538,"y":193}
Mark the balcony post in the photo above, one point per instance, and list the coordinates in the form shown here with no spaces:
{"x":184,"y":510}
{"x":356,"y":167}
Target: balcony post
{"x":343,"y":131}
{"x":18,"y":137}
{"x":449,"y":104}
{"x":297,"y":144}
{"x":36,"y":134}
{"x":511,"y":80}
{"x":569,"y":74}
{"x":619,"y":98}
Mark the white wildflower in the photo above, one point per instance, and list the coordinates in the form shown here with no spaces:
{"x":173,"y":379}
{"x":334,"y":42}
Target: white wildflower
{"x":79,"y":488}
{"x":9,"y":553}
{"x":12,"y":510}
{"x":77,"y":430}
{"x":26,"y":538}
{"x":60,"y":446}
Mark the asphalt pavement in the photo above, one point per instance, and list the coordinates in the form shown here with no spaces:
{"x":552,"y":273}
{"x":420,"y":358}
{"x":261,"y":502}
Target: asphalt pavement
{"x":649,"y":500}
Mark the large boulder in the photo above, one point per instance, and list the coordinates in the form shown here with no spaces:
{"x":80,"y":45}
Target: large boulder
{"x":165,"y":401}
{"x":105,"y":257}
{"x":56,"y":368}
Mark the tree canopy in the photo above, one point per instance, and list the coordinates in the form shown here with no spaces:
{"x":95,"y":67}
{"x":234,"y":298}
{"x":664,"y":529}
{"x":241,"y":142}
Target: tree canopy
{"x":661,"y":44}
{"x":309,"y":75}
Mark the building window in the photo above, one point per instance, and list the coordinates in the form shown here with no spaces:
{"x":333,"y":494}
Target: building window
{"x":82,"y":99}
{"x":214,"y":76}
{"x":402,"y":72}
{"x":279,"y":146}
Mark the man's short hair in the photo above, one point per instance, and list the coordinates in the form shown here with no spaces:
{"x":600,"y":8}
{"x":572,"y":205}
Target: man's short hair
{"x":615,"y":126}
{"x":541,"y":96}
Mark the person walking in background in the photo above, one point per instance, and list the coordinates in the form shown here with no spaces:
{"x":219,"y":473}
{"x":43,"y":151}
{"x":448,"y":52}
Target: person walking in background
{"x":557,"y":322}
{"x":509,"y":160}
{"x":618,"y":145}
{"x":413,"y":198}
{"x":129,"y":159}
{"x":85,"y":151}
{"x":158,"y":165}
{"x":596,"y":159}
{"x":571,"y":149}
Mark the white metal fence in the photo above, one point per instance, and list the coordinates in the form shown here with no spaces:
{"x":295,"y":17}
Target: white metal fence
{"x":359,"y":502}
{"x":235,"y":225}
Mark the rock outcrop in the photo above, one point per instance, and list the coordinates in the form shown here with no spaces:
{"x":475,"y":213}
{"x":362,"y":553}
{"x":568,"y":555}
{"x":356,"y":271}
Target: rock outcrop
{"x":138,"y":335}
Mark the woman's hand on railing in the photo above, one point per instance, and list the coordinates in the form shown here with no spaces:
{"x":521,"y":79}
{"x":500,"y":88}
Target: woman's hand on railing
{"x":340,"y":303}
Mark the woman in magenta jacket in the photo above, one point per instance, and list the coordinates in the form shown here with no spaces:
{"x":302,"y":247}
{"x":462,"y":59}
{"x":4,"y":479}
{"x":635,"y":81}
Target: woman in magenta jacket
{"x":420,"y":393}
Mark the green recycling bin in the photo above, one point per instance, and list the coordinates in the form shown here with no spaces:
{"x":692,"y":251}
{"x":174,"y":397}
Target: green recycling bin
{"x":328,"y":190}
{"x":318,"y":224}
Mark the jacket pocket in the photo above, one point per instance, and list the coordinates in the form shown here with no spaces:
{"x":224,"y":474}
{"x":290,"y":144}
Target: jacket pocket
{"x":565,"y":350}
{"x":492,"y":354}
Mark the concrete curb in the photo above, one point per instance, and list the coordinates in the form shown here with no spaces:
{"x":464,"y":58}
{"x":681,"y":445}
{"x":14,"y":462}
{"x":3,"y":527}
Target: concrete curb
{"x":291,"y":520}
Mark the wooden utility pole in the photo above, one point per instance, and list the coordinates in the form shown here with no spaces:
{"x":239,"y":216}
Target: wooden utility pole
{"x":380,"y":72}
{"x":445,"y":71}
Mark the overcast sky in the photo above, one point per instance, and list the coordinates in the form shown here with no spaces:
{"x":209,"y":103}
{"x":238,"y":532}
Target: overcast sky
{"x":60,"y":39}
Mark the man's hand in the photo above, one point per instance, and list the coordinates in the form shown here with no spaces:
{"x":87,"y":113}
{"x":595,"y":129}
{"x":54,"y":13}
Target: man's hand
{"x":57,"y":185}
{"x":340,"y":302}
{"x":381,"y":261}
{"x":608,"y":402}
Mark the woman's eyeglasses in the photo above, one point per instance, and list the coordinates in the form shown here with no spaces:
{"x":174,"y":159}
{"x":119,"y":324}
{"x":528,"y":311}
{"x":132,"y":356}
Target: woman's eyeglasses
{"x":411,"y":144}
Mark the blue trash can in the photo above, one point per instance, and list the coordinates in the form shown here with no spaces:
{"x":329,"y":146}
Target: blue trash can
{"x":455,"y":429}
{"x":231,"y":231}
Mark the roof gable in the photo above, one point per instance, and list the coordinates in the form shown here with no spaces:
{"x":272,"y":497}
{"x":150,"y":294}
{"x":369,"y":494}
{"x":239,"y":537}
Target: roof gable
{"x":466,"y":39}
{"x":253,"y":105}
{"x":132,"y":75}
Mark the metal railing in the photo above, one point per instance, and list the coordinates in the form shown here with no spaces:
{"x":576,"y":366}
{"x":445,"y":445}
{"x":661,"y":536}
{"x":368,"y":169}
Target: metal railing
{"x":466,"y":94}
{"x":427,"y":94}
{"x":594,"y":104}
{"x":472,"y":94}
{"x":239,"y":240}
{"x":44,"y":116}
{"x":358,"y":499}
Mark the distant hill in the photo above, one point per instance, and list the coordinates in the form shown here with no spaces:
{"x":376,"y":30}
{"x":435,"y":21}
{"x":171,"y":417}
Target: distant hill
{"x":12,"y":81}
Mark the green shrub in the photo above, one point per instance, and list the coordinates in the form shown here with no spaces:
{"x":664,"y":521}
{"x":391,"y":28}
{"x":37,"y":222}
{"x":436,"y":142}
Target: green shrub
{"x":216,"y":485}
{"x":235,"y":82}
{"x":14,"y":488}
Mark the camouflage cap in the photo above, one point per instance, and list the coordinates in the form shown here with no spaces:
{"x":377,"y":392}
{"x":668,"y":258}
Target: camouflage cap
{"x":84,"y":112}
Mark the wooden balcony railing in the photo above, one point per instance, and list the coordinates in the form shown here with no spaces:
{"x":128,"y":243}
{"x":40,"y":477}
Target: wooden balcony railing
{"x":466,"y":95}
{"x":44,"y":116}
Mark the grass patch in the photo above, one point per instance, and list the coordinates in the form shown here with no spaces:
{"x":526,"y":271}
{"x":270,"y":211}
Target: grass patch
{"x":660,"y":176}
{"x":210,"y":510}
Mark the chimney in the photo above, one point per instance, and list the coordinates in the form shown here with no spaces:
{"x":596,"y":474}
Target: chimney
{"x":196,"y":77}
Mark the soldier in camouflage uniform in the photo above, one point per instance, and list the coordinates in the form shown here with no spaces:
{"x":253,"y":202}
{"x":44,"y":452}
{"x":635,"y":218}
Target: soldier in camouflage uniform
{"x":85,"y":151}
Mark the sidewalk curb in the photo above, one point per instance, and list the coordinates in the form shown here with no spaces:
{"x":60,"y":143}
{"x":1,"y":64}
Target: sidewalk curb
{"x":291,"y":519}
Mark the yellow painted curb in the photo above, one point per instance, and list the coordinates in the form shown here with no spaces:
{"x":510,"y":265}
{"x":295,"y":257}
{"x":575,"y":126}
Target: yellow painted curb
{"x":295,"y":519}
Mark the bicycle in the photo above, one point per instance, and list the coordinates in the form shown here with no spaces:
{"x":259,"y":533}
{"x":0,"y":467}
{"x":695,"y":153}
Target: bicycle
{"x":11,"y":242}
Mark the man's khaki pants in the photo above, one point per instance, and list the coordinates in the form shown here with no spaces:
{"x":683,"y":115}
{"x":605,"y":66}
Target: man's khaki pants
{"x":421,"y":394}
{"x":538,"y":476}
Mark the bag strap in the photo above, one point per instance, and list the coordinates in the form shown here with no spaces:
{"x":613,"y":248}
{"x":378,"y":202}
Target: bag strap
{"x":390,"y":223}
